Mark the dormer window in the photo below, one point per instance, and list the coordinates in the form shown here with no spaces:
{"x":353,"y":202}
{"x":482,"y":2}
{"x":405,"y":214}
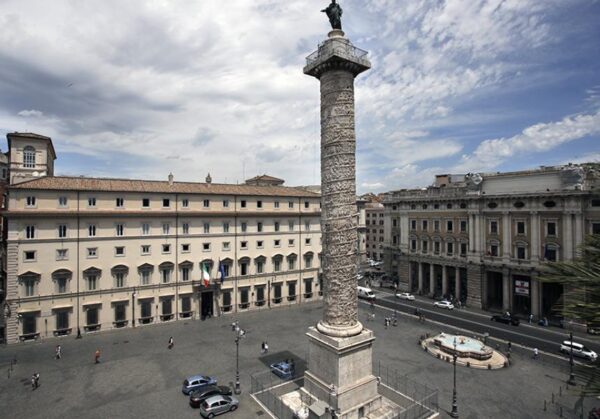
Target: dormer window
{"x":29,"y":157}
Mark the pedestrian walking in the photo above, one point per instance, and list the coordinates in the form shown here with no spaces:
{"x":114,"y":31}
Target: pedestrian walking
{"x":262,"y":347}
{"x":509,"y":346}
{"x":35,"y":380}
{"x":535,"y":353}
{"x":395,"y":322}
{"x":530,"y":318}
{"x":266,"y":347}
{"x":58,"y":352}
{"x":97,"y":356}
{"x":171,"y":343}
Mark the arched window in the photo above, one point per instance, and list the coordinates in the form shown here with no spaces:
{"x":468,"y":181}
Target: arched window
{"x":29,"y":157}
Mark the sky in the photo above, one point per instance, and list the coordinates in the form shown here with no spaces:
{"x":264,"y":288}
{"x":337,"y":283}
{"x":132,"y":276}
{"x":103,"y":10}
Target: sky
{"x":141,"y":89}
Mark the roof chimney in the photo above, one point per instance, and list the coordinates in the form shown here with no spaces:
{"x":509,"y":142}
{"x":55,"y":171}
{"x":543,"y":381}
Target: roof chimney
{"x":208,"y":178}
{"x":170,"y":179}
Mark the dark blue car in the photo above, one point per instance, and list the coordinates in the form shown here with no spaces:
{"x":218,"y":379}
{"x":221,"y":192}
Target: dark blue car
{"x":283,"y":369}
{"x":197,"y":382}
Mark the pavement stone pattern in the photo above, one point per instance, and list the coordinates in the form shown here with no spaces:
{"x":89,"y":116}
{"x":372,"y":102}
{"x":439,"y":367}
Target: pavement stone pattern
{"x":139,"y":377}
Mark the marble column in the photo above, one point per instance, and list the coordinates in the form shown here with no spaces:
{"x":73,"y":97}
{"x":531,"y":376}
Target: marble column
{"x":457,"y":282}
{"x":444,"y":280}
{"x":420,"y":277}
{"x":578,"y":230}
{"x":534,"y":290}
{"x":506,"y":289}
{"x":506,"y":236}
{"x":535,"y":236}
{"x":431,"y":280}
{"x":567,"y":236}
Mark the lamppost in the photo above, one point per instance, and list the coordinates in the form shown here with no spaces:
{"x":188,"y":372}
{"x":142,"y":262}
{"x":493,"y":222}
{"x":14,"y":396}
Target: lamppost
{"x":133,"y":308}
{"x":454,"y":412}
{"x":239,"y":334}
{"x":571,"y":380}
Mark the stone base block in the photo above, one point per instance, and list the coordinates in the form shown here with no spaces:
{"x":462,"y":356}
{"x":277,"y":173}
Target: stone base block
{"x":340,"y":373}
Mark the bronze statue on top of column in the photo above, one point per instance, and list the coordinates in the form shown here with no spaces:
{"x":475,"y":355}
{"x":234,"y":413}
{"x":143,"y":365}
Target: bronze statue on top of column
{"x":334,"y":13}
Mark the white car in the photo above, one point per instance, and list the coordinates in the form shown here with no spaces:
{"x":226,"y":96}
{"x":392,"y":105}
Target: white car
{"x":405,"y":296}
{"x":444,"y":304}
{"x":578,"y":350}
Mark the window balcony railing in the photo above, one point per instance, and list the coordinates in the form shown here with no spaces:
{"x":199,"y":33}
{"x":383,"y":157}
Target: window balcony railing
{"x":120,"y":323}
{"x":146,"y":320}
{"x":167,"y":317}
{"x":92,"y":327}
{"x":226,"y":309}
{"x":29,"y":336}
{"x":62,"y":332}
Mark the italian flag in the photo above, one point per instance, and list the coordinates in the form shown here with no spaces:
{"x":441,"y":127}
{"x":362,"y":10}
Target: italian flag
{"x":205,"y":275}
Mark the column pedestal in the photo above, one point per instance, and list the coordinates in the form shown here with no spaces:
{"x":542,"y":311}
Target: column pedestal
{"x":341,"y":372}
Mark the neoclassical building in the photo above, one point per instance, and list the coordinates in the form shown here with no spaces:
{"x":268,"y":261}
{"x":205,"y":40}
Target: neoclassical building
{"x":485,"y":238}
{"x":89,"y":254}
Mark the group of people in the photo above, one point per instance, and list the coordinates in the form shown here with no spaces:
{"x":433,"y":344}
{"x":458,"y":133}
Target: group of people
{"x":390,"y":320}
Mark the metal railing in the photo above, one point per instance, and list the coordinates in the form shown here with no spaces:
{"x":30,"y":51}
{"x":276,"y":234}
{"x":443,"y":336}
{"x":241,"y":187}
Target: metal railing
{"x":342,"y":49}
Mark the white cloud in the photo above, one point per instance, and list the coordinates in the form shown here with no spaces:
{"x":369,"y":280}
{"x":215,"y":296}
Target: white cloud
{"x":537,"y":138}
{"x":30,"y":113}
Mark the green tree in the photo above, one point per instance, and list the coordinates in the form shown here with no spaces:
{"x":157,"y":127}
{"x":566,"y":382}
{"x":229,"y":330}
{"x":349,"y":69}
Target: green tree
{"x":581,"y":299}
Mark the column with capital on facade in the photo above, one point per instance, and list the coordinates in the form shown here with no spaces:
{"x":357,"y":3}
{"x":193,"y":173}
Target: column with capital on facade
{"x":505,"y":289}
{"x":457,"y":283}
{"x":431,"y":279}
{"x":420,"y":268}
{"x":567,"y":222}
{"x":534,"y":288}
{"x":444,"y":280}
{"x":535,"y":236}
{"x":506,"y":236}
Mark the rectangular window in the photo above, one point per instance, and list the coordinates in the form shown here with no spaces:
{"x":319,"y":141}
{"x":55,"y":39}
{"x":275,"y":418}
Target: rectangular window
{"x":61,"y":285}
{"x":226,"y":246}
{"x":145,"y":249}
{"x":243,"y":203}
{"x":290,"y":225}
{"x":166,"y":248}
{"x":92,"y":252}
{"x":291,"y":291}
{"x":91,"y":230}
{"x":520,"y":252}
{"x":206,"y":203}
{"x":413,"y":224}
{"x":463,"y":249}
{"x":463,"y":226}
{"x":450,"y":248}
{"x":119,"y":202}
{"x":185,"y":203}
{"x":166,"y":202}
{"x":244,"y":244}
{"x":277,"y":265}
{"x":165,"y":275}
{"x":145,"y":229}
{"x":225,"y":227}
{"x":276,"y":204}
{"x":291,"y":204}
{"x":185,"y":274}
{"x":167,"y":309}
{"x":244,"y":298}
{"x":146,"y":203}
{"x":29,"y":255}
{"x":551,"y":228}
{"x":225,"y":203}
{"x":120,"y":313}
{"x":291,"y":264}
{"x":494,"y":227}
{"x":186,"y":305}
{"x":206,"y":228}
{"x":413,"y":245}
{"x":258,"y":204}
{"x":277,"y":243}
{"x":424,"y":225}
{"x":307,"y":242}
{"x":30,"y":232}
{"x":185,"y":248}
{"x":62,"y":254}
{"x":91,"y":202}
{"x":92,"y":282}
{"x":259,"y":267}
{"x":30,"y":201}
{"x":119,"y":279}
{"x":551,"y":254}
{"x":276,"y":225}
{"x":424,"y":246}
{"x":308,"y":262}
{"x":145,"y":277}
{"x":244,"y":268}
{"x":436,"y":225}
{"x":259,"y":227}
{"x":520,"y":227}
{"x":206,"y":247}
{"x":119,"y":229}
{"x":120,"y":251}
{"x":276,"y":293}
{"x":62,"y":201}
{"x":291,"y":242}
{"x":244,"y":227}
{"x":166,"y":228}
{"x":146,"y":309}
{"x":307,"y":226}
{"x":259,"y":244}
{"x":62,"y":231}
{"x":29,"y":287}
{"x":494,"y":250}
{"x":306,"y":204}
{"x":185,"y":227}
{"x":449,"y":226}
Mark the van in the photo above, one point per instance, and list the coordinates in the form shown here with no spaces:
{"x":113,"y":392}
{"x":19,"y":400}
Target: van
{"x":578,"y":350}
{"x":367,"y":293}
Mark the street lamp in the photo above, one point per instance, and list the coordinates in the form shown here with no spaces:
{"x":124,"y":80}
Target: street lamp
{"x":571,"y":380}
{"x":133,"y":308}
{"x":239,"y":334}
{"x":454,"y":412}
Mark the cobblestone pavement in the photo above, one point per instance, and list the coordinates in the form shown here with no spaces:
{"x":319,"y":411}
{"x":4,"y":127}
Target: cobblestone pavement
{"x":139,"y":377}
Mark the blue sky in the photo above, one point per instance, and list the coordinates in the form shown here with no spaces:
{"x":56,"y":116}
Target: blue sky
{"x":141,"y":89}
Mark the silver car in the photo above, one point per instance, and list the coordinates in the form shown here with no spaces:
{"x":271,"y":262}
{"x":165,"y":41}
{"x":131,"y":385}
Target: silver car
{"x":216,"y":405}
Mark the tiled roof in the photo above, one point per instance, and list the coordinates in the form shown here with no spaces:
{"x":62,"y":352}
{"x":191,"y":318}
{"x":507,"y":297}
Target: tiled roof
{"x":65,"y":183}
{"x":264,"y":177}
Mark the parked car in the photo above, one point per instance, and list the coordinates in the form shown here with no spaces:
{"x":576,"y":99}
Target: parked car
{"x":405,"y":296}
{"x":283,"y":369}
{"x":444,"y":304}
{"x":217,"y":405}
{"x":503,"y":318}
{"x":197,"y":382}
{"x":579,"y":350}
{"x":198,"y":396}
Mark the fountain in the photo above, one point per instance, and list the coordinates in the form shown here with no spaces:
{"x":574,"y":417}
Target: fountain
{"x":469,"y":351}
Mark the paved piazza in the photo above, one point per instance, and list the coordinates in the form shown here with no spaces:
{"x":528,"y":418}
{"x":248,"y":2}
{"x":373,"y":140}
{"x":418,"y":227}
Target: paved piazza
{"x":140,"y":377}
